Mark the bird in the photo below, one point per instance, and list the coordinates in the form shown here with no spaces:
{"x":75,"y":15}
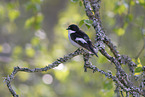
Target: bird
{"x":80,"y":39}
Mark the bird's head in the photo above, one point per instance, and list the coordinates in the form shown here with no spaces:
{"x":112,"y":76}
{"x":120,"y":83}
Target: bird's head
{"x":73,"y":27}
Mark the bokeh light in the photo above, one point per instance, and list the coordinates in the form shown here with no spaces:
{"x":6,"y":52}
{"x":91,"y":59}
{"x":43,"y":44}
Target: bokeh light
{"x":47,"y":79}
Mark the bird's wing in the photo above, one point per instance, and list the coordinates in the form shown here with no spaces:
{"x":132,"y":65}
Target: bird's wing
{"x":83,"y":41}
{"x":84,"y":35}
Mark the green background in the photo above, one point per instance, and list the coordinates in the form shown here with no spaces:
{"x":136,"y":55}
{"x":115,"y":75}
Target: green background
{"x":33,"y":34}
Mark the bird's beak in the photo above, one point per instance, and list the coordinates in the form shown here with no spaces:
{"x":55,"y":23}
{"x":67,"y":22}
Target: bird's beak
{"x":67,"y":29}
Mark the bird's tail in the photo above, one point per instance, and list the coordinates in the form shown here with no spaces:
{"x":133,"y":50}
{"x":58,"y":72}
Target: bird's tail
{"x":93,"y":51}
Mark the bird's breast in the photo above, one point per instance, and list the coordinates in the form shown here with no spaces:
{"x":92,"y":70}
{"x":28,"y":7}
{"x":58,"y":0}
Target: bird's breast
{"x":73,"y":42}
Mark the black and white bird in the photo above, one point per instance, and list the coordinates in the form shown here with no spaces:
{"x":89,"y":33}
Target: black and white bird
{"x":79,"y":38}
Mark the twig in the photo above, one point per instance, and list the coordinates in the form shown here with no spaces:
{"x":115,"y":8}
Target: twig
{"x":127,"y":94}
{"x":140,"y":52}
{"x":121,"y":93}
{"x":143,"y":39}
{"x":117,"y":90}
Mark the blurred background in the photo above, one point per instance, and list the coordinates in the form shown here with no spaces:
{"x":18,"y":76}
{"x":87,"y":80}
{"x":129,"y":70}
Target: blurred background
{"x":33,"y":34}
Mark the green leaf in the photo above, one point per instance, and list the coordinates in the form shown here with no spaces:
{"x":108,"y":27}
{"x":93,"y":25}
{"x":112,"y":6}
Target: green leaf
{"x":34,"y":21}
{"x":13,"y":14}
{"x":88,"y":22}
{"x":1,"y":48}
{"x":10,"y":6}
{"x":39,"y":18}
{"x":81,"y":23}
{"x":29,"y":22}
{"x":142,"y":1}
{"x":17,"y":50}
{"x":132,"y":2}
{"x":35,"y":7}
{"x":137,"y":73}
{"x":35,"y":41}
{"x":129,"y":17}
{"x":88,"y":26}
{"x":138,"y":60}
{"x":80,"y":3}
{"x":120,"y":31}
{"x":30,"y":52}
{"x":120,"y":9}
{"x":37,"y":1}
{"x":38,"y":21}
{"x":138,"y":69}
{"x":125,"y":25}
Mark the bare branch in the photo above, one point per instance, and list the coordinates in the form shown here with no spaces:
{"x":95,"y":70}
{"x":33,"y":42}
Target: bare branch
{"x":50,"y":66}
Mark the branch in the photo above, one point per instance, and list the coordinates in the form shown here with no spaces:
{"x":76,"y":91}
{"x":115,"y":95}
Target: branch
{"x":50,"y":66}
{"x":116,"y":80}
{"x":117,"y":59}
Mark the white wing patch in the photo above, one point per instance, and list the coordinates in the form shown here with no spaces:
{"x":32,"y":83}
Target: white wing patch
{"x":81,"y":39}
